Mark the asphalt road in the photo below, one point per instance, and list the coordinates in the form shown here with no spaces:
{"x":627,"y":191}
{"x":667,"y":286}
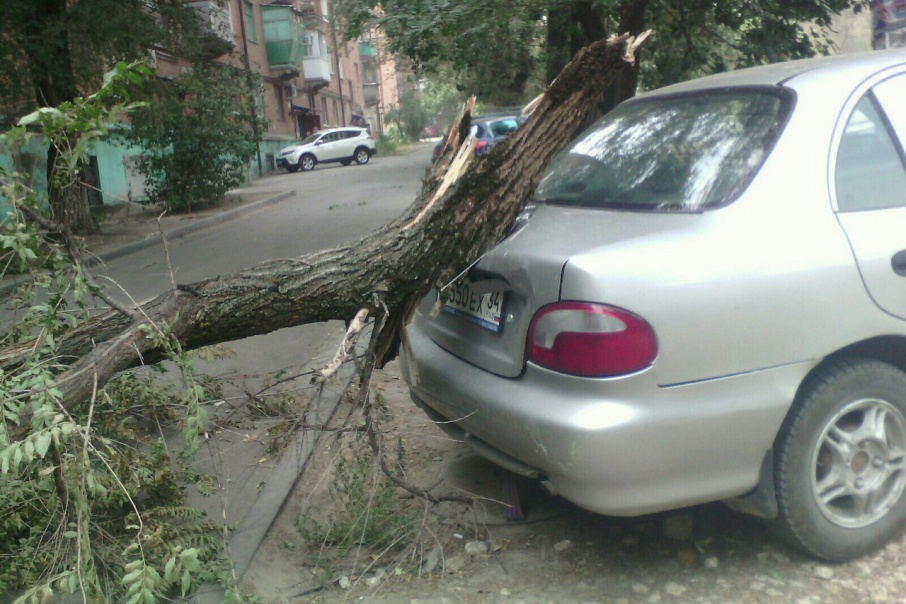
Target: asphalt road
{"x":333,"y":205}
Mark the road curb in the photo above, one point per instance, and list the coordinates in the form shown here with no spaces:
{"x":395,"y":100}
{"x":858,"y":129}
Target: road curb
{"x":203,"y":223}
{"x":254,"y":526}
{"x":177,"y":233}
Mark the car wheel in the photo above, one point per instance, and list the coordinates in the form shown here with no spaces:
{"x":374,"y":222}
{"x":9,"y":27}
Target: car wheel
{"x":362,"y":156}
{"x":307,"y":162}
{"x":345,"y":162}
{"x":840,"y":460}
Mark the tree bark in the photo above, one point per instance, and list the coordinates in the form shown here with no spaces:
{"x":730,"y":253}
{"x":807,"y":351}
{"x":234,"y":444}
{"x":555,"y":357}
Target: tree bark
{"x":447,"y":227}
{"x":68,"y":201}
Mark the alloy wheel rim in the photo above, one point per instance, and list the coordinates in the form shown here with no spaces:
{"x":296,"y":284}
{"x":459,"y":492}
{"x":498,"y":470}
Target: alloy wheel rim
{"x":859,"y":463}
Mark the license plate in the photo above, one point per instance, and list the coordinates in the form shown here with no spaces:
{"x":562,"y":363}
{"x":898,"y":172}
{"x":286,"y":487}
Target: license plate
{"x":484,"y":309}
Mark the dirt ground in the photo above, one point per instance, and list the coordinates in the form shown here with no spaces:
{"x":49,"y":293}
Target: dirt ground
{"x":456,"y":552}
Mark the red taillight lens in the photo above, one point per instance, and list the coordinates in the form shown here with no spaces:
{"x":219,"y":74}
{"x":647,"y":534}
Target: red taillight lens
{"x":591,"y":340}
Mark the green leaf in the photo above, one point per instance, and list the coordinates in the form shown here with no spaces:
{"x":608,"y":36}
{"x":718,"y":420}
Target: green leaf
{"x":42,"y":444}
{"x":131,"y":577}
{"x":168,"y":569}
{"x":186,"y":582}
{"x":132,"y":566}
{"x":31,"y":118}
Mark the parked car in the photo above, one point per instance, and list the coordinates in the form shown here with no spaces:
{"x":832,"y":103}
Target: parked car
{"x":344,"y":145}
{"x":489,"y":130}
{"x":706,"y":301}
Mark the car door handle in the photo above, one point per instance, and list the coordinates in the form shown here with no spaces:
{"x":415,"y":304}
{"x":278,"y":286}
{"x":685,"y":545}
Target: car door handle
{"x":898,"y":262}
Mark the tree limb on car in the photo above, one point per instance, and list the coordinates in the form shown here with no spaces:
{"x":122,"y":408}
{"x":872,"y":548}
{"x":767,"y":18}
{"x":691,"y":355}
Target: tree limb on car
{"x":393,"y":267}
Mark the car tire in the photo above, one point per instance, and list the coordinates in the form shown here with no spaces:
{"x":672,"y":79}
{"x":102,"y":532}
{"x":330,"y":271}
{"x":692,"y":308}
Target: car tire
{"x":345,"y":162}
{"x":361,"y":156}
{"x":307,"y":162}
{"x":839,"y":460}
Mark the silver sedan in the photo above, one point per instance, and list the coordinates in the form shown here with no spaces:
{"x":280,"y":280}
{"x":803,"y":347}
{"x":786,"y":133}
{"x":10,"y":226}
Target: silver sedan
{"x":705,"y":301}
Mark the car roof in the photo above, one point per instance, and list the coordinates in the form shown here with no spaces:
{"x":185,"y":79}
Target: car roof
{"x":329,"y":130}
{"x":490,"y":117}
{"x":850,"y":67}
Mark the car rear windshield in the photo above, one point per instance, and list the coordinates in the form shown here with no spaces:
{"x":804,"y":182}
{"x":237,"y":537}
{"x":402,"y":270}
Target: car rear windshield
{"x":681,"y":153}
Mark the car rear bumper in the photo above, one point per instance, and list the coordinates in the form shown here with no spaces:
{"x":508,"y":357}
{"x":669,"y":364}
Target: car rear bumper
{"x":621,"y":446}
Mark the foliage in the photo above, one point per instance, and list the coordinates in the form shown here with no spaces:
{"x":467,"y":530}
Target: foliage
{"x":366,"y":505}
{"x":387,"y":143}
{"x":34,"y":36}
{"x":492,"y":46}
{"x":698,"y":38}
{"x":495,"y":48}
{"x":442,"y":101}
{"x":53,"y":51}
{"x":196,"y":136}
{"x":411,"y":116}
{"x":92,"y":497}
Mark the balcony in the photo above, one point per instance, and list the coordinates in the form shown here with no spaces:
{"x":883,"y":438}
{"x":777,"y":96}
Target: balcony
{"x":367,"y":49}
{"x":216,"y":26}
{"x":311,"y":15}
{"x":284,"y":39}
{"x":370,"y":90}
{"x":316,"y":70}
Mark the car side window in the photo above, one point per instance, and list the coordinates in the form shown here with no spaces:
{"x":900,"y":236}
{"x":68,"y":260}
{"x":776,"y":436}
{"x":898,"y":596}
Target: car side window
{"x":870,"y":173}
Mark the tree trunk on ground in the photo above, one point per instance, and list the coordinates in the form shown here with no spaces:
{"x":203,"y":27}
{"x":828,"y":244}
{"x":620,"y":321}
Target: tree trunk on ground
{"x":462,"y":210}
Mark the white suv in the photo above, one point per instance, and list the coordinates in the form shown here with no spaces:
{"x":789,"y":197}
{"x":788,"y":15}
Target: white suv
{"x":345,"y":145}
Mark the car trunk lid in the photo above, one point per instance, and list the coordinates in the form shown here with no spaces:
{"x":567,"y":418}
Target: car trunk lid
{"x":527,"y":267}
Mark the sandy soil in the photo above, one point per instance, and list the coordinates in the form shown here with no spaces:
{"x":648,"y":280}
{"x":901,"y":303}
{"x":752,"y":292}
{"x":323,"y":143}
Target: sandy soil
{"x":560,"y":553}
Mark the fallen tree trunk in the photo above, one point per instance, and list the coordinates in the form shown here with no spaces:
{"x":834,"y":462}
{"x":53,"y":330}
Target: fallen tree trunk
{"x":462,"y":210}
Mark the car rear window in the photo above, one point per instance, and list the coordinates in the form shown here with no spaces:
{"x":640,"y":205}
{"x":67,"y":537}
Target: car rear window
{"x":504,"y":127}
{"x":679,"y":153}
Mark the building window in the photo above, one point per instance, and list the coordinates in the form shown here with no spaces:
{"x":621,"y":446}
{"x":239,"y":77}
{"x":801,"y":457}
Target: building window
{"x":251,"y":26}
{"x":324,"y":110}
{"x":336,"y":113}
{"x":351,"y":94}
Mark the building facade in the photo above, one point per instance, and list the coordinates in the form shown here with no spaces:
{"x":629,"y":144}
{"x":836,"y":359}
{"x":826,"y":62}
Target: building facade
{"x":310,"y":78}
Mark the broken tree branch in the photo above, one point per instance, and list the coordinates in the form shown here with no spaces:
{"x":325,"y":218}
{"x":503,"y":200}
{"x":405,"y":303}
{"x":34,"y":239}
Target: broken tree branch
{"x":446,"y":231}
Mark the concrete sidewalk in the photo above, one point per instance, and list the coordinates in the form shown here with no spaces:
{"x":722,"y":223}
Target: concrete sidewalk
{"x":131,"y":228}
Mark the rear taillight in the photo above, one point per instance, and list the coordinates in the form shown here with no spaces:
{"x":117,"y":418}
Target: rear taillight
{"x":591,"y":340}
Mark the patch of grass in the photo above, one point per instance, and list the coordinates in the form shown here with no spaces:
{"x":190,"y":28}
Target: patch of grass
{"x":366,"y":511}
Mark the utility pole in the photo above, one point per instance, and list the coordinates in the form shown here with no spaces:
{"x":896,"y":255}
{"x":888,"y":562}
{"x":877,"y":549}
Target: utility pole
{"x":336,"y":52}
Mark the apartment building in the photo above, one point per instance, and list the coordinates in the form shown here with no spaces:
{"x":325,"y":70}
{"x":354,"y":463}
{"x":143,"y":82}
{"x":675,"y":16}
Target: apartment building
{"x":310,"y":78}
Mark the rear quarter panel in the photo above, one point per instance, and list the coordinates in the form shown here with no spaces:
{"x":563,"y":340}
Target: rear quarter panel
{"x":767,"y":281}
